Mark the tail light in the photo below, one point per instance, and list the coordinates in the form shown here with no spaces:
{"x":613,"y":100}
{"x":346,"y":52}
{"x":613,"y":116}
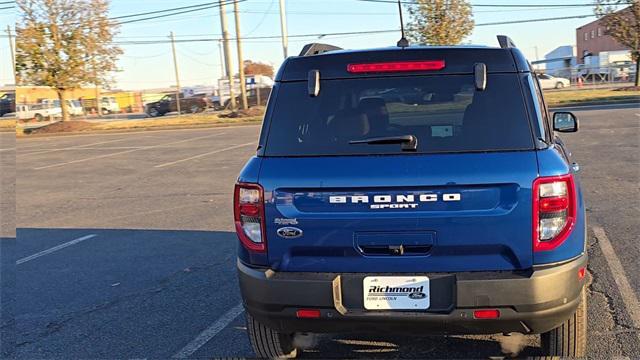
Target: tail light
{"x":486,"y":314}
{"x":554,"y":211}
{"x":308,"y":314}
{"x":248,"y":209}
{"x":396,"y":66}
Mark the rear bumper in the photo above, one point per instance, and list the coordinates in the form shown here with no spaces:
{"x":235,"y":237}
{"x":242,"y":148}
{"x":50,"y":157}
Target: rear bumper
{"x":533,"y":301}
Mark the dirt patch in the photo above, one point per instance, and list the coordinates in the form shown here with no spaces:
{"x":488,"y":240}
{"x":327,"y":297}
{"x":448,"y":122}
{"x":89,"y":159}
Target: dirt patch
{"x":7,"y":125}
{"x":64,"y":126}
{"x":628,"y":88}
{"x":251,"y":112}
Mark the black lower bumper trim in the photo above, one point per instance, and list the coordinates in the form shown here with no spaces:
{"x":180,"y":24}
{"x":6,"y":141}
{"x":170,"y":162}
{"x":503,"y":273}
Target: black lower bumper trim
{"x":532,"y":302}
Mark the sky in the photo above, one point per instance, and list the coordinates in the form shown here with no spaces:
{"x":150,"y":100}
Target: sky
{"x":151,"y":66}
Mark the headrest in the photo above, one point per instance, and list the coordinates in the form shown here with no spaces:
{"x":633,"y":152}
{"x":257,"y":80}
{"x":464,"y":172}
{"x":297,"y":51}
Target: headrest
{"x":371,"y":103}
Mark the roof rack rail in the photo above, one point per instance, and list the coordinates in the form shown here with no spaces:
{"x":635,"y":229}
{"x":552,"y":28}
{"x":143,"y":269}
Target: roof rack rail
{"x":506,"y":42}
{"x":317,"y":48}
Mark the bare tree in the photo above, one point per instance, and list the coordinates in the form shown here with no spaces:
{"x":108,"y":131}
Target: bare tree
{"x":257,"y":68}
{"x":439,"y":22}
{"x":65,"y":44}
{"x":623,"y":25}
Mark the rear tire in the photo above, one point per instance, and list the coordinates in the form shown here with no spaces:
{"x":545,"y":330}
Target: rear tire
{"x":570,"y":338}
{"x":268,"y":343}
{"x":153,"y":112}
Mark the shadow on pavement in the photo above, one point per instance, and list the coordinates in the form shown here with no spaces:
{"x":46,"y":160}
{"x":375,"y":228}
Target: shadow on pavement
{"x":147,"y":293}
{"x":414,"y":347}
{"x":7,"y":297}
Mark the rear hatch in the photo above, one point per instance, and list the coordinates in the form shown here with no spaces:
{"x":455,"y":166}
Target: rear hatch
{"x":459,"y":200}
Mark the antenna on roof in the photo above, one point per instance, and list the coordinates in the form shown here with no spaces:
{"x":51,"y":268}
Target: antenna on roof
{"x":403,"y":42}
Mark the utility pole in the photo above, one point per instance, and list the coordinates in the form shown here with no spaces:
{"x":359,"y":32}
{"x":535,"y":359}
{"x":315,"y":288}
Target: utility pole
{"x":13,"y":56}
{"x":283,"y":27}
{"x":221,"y":58}
{"x":96,"y":90}
{"x":175,"y":67}
{"x":243,"y":85}
{"x":227,"y":55}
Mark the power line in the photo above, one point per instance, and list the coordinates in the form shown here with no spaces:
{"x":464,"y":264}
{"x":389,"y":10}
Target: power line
{"x":536,"y":20}
{"x":320,"y":35}
{"x":162,"y":11}
{"x":506,"y":5}
{"x":196,"y":60}
{"x":218,"y":4}
{"x":264,"y":16}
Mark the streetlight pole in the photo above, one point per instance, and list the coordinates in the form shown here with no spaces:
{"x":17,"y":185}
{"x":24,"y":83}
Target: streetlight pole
{"x":227,"y":55}
{"x":175,"y":68}
{"x":243,"y":85}
{"x":13,"y":56}
{"x":283,"y":27}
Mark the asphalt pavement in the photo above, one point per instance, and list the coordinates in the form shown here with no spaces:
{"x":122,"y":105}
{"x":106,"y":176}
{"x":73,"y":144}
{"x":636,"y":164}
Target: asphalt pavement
{"x":126,"y":247}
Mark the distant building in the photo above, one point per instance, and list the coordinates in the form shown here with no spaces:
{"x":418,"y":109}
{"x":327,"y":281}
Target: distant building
{"x":591,"y":40}
{"x":560,"y":61}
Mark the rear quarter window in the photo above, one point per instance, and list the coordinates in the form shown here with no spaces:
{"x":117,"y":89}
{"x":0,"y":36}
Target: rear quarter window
{"x":445,"y":113}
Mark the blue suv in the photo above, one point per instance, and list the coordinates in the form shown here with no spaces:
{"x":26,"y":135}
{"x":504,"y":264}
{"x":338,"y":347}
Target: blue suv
{"x":419,"y":190}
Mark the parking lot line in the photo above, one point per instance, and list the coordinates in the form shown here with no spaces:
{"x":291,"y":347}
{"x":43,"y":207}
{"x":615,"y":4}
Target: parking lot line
{"x":205,"y":154}
{"x":55,"y":248}
{"x":149,"y":131}
{"x":124,"y":152}
{"x":619,"y":276}
{"x":46,"y":151}
{"x":209,"y":332}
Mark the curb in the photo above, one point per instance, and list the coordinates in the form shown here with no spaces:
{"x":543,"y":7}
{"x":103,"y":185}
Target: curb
{"x":630,"y":101}
{"x":141,"y":129}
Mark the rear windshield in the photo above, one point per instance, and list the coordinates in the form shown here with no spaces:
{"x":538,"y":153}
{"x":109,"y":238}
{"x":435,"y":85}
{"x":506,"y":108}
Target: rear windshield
{"x":445,"y":114}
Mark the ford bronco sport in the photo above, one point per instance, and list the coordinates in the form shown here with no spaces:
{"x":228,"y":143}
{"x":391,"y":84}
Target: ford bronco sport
{"x":421,"y":190}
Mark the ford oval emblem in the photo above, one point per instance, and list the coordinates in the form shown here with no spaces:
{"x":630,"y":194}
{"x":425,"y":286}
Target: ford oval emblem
{"x":417,"y":295}
{"x":289,"y":232}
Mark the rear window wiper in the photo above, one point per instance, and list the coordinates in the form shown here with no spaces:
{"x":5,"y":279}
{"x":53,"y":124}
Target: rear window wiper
{"x":409,"y":142}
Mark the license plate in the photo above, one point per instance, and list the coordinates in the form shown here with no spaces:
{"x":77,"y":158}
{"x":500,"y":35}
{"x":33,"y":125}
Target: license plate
{"x":396,"y":292}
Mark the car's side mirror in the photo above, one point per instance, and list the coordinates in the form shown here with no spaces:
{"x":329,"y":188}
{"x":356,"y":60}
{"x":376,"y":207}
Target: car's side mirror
{"x":564,"y":121}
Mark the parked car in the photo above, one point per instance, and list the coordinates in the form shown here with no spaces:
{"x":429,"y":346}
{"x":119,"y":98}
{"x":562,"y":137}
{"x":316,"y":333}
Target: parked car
{"x":551,"y":82}
{"x":459,"y":213}
{"x":73,"y":106}
{"x":7,"y":103}
{"x":252,"y":98}
{"x":38,"y":112}
{"x":108,"y":105}
{"x":168,"y":103}
{"x":623,"y":70}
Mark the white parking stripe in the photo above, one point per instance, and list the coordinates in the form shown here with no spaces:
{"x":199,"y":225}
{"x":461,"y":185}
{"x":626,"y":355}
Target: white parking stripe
{"x":209,"y":332}
{"x":55,"y":248}
{"x":150,"y":131}
{"x":46,"y":151}
{"x":205,"y":154}
{"x":124,"y":152}
{"x":619,"y":276}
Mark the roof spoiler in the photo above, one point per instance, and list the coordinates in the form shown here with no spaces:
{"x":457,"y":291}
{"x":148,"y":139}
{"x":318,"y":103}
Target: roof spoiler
{"x":506,"y":42}
{"x":317,"y":48}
